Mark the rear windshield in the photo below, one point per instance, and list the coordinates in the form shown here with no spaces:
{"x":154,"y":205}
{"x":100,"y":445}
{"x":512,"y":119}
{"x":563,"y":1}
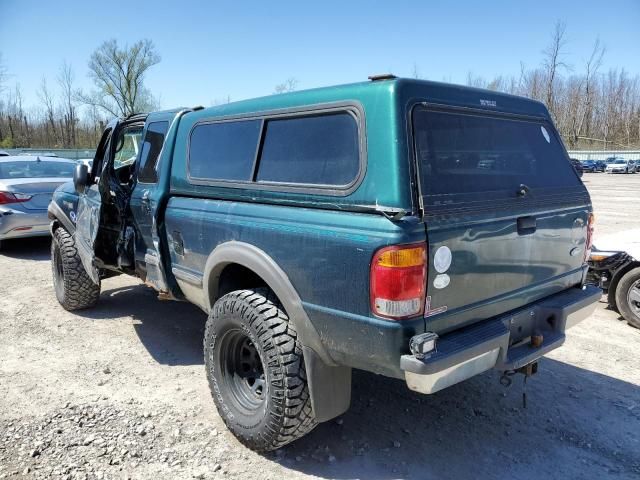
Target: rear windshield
{"x":35,"y":169}
{"x":462,"y":153}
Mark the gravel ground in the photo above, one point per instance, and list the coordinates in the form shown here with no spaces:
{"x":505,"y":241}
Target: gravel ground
{"x":120,"y":392}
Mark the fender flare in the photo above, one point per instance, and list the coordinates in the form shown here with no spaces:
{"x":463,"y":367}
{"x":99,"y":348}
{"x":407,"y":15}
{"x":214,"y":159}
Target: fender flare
{"x":276,"y":279}
{"x":329,"y":384}
{"x":56,"y":214}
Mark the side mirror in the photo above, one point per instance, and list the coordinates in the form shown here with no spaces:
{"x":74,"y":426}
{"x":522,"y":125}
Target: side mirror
{"x":81,"y":177}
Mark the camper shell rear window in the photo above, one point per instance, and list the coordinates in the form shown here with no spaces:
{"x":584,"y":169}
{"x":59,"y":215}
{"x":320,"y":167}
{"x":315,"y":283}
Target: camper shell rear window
{"x":467,"y":153}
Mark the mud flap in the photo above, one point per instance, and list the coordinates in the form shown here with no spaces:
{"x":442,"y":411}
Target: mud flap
{"x":329,"y":387}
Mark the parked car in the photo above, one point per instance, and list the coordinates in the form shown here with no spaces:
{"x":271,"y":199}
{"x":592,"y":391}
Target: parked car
{"x":315,"y":230}
{"x":577,"y":166}
{"x":26,"y":187}
{"x":39,"y":154}
{"x":614,"y":265}
{"x":593,"y":166}
{"x":87,"y":161}
{"x":620,"y":165}
{"x":3,"y":153}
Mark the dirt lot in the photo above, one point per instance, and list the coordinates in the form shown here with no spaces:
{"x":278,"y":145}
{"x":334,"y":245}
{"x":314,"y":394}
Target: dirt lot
{"x":120,"y":392}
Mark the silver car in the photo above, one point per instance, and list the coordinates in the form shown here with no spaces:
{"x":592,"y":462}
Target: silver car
{"x":26,"y":186}
{"x":620,"y":165}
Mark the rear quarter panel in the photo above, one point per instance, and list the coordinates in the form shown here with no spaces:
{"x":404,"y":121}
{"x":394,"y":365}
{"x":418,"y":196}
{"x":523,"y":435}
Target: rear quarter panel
{"x":326,"y":256}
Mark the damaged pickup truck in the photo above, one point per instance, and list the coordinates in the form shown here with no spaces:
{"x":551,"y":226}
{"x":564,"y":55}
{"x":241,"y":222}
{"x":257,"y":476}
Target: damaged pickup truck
{"x":418,"y":230}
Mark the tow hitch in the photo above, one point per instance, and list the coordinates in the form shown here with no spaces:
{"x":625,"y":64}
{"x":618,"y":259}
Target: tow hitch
{"x":527,"y":370}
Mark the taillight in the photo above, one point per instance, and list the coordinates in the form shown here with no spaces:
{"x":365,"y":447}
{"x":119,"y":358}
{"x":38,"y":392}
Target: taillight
{"x":9,"y":197}
{"x":589,"y":243}
{"x":398,"y":281}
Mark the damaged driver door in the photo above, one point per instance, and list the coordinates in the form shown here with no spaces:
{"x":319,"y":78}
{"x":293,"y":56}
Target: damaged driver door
{"x":89,"y":207}
{"x":103,"y":204}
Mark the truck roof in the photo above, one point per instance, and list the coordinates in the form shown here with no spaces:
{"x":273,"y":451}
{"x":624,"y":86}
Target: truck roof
{"x":401,"y":89}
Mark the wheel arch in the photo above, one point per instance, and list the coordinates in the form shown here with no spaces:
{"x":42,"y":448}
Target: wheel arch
{"x":329,"y":384}
{"x":59,"y":218}
{"x":263,"y":266}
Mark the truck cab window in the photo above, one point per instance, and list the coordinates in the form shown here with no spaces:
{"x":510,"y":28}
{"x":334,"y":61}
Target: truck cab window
{"x":126,"y":152}
{"x":127,"y":147}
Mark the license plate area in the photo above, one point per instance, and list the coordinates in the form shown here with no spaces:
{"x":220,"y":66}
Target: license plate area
{"x":521,"y":325}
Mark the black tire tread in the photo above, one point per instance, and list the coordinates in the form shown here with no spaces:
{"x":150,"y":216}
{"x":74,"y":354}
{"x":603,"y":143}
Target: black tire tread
{"x":268,"y":319}
{"x":79,"y":290}
{"x":621,"y":296}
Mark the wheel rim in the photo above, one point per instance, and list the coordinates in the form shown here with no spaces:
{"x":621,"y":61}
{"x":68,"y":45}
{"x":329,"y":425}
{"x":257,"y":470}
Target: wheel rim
{"x":243,"y":370}
{"x":58,"y":271}
{"x":633,"y":298}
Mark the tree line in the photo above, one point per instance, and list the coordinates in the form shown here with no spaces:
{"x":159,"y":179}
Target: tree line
{"x":69,"y":117}
{"x":591,"y":108}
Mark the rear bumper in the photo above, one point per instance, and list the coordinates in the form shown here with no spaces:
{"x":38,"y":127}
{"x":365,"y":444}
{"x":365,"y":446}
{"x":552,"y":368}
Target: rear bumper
{"x":21,"y":224}
{"x":502,"y":343}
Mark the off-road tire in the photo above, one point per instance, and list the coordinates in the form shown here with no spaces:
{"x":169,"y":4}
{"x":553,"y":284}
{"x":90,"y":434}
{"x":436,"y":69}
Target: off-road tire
{"x":622,"y":290}
{"x":74,"y":288}
{"x":285,"y":413}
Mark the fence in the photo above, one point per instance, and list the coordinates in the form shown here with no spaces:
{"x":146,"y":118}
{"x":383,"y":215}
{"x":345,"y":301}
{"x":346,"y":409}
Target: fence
{"x":604,"y":154}
{"x":73,"y":154}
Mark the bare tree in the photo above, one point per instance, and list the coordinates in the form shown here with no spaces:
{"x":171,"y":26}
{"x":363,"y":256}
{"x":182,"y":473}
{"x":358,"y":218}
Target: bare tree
{"x":476,"y":81}
{"x":552,"y":62}
{"x":581,"y":124}
{"x":69,"y":120}
{"x":590,"y":109}
{"x":3,"y":74}
{"x":416,"y":72}
{"x":118,"y":74}
{"x":3,"y":79}
{"x":47,"y":99}
{"x":289,"y":85}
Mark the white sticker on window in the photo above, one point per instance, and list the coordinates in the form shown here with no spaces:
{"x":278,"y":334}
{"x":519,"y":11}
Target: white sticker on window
{"x":545,"y":134}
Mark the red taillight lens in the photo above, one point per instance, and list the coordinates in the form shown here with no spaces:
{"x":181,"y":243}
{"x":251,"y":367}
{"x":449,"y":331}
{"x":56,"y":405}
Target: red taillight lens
{"x":8,"y":197}
{"x":589,"y":243}
{"x":398,"y":281}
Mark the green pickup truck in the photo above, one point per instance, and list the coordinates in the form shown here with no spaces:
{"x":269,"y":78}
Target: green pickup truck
{"x":414,"y":229}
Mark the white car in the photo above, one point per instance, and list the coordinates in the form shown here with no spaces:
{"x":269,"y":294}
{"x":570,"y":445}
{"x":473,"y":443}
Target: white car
{"x":620,"y":165}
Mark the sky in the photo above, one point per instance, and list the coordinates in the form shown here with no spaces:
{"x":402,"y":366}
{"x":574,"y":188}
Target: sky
{"x":214,"y":50}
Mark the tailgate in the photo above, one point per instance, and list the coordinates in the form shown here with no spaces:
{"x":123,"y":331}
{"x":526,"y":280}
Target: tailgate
{"x":503,"y":202}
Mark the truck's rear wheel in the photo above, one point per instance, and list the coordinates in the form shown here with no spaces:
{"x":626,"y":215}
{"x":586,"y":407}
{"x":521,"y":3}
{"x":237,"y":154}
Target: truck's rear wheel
{"x":256,"y":370}
{"x":74,"y":288}
{"x":628,"y":297}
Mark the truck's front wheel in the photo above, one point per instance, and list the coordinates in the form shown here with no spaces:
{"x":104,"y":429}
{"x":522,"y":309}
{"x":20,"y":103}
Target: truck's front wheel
{"x":74,"y":288}
{"x":256,"y":371}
